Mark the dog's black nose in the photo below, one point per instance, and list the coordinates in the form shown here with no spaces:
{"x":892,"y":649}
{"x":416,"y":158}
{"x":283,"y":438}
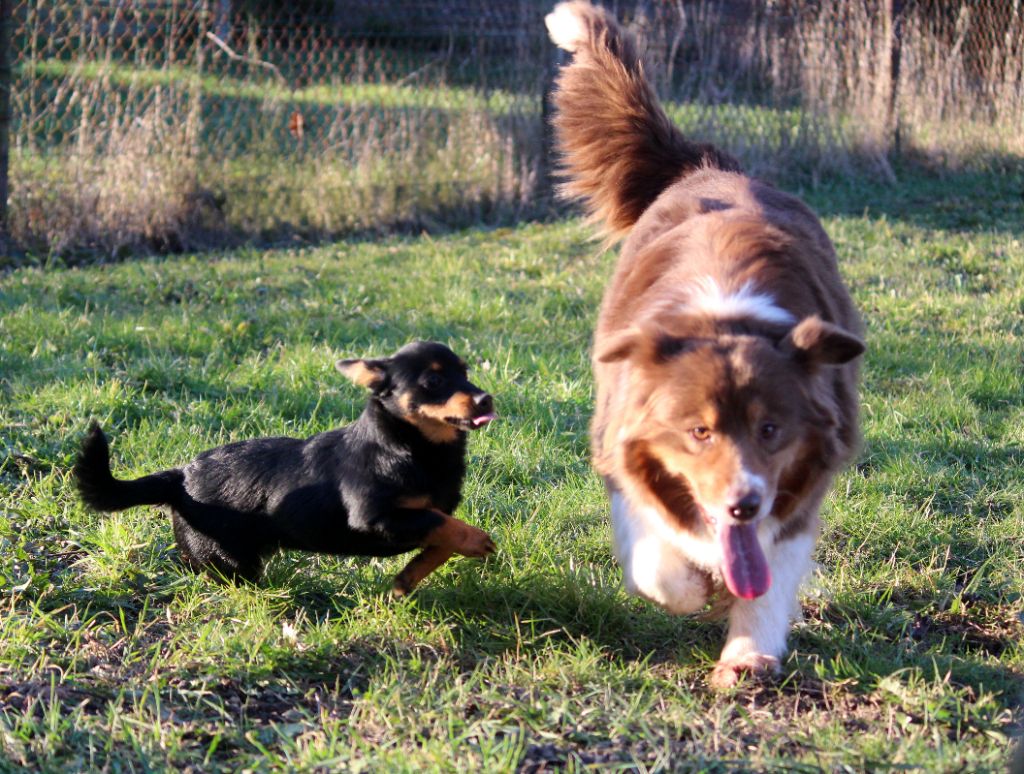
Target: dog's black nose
{"x":483,"y":402}
{"x":746,"y":508}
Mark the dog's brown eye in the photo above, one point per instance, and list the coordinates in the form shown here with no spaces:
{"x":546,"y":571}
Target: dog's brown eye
{"x":769,"y":431}
{"x":701,"y":433}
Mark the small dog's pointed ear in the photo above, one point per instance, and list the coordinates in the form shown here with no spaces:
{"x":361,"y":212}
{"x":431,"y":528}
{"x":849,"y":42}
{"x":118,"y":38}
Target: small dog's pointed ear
{"x":815,"y":342}
{"x":371,"y":374}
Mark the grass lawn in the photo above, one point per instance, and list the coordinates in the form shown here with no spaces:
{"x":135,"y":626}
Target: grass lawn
{"x":112,"y":657}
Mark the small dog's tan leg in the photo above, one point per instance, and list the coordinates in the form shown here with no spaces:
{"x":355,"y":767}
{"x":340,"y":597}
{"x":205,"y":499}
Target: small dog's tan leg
{"x":418,"y":568}
{"x":452,"y":536}
{"x":460,"y":538}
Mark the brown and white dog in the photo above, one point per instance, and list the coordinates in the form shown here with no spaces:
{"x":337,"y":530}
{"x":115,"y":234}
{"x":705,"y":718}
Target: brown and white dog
{"x":725,"y":355}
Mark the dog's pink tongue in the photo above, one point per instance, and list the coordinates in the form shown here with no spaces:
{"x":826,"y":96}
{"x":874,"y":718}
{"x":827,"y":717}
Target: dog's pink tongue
{"x":745,"y":569}
{"x":482,"y":420}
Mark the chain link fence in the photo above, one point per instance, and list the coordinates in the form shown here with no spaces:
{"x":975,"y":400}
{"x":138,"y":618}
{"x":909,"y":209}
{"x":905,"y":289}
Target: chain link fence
{"x":169,"y":124}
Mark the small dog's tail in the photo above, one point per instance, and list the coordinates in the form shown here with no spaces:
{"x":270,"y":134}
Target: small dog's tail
{"x":100,"y":490}
{"x":619,"y":149}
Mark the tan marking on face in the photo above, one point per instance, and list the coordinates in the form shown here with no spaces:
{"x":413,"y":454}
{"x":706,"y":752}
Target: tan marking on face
{"x":680,"y":481}
{"x":403,"y":403}
{"x":434,"y":430}
{"x":435,"y":366}
{"x":728,"y":390}
{"x":710,"y":474}
{"x":670,"y":491}
{"x":458,"y":406}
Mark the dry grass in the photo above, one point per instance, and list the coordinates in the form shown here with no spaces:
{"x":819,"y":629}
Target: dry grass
{"x":956,"y":96}
{"x":127,"y":179}
{"x":411,"y":170}
{"x":164,"y":152}
{"x":959,"y":108}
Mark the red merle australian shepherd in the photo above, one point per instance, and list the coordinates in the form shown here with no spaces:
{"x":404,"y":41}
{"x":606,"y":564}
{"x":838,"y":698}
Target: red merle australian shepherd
{"x":725,"y":355}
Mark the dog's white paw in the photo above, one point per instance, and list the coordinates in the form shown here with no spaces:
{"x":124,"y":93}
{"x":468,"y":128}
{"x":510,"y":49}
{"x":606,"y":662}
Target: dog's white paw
{"x":565,"y":27}
{"x":727,"y":673}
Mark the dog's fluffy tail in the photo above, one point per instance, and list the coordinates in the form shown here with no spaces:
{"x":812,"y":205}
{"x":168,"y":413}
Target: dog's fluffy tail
{"x":100,"y":490}
{"x":619,"y":150}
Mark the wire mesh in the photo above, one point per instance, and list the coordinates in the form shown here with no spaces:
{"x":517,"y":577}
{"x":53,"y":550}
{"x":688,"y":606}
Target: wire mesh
{"x":164,"y":122}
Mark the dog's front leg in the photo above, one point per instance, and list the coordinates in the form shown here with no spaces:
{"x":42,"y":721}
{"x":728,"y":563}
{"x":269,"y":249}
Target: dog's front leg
{"x":452,"y":536}
{"x":418,"y":568}
{"x":758,"y":627}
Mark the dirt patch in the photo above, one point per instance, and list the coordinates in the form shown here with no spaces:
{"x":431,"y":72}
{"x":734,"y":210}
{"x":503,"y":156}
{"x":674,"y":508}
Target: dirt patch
{"x":990,"y":629}
{"x":32,"y":697}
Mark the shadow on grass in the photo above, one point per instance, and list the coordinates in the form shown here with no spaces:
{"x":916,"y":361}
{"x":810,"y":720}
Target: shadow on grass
{"x":929,"y":197}
{"x":493,"y":616}
{"x":846,"y":651}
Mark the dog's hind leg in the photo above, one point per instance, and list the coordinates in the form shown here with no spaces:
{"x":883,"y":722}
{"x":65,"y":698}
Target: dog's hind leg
{"x":200,"y":551}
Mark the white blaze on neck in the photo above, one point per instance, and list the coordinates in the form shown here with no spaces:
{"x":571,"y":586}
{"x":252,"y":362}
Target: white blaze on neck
{"x":708,"y":297}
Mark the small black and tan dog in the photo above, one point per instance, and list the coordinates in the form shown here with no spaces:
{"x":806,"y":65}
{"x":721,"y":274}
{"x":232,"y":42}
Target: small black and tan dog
{"x":383,"y":485}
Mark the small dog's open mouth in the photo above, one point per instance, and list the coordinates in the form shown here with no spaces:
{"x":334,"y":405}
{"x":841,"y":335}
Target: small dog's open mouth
{"x":472,"y":423}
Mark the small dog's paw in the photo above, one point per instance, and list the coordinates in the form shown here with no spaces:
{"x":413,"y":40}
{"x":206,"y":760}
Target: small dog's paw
{"x":757,"y":666}
{"x":402,"y":586}
{"x":477,"y":543}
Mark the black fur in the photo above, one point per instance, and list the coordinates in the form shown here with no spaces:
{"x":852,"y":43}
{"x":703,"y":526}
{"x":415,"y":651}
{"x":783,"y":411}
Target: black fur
{"x":339,"y":492}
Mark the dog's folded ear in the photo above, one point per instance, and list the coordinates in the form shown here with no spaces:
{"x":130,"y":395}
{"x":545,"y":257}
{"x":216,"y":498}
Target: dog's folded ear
{"x":654,"y":340}
{"x":814,"y":342}
{"x":371,"y":374}
{"x":618,"y":346}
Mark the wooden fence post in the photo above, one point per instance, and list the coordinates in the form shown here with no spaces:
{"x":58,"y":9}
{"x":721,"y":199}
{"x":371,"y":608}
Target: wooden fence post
{"x":6,"y":79}
{"x":894,"y":75}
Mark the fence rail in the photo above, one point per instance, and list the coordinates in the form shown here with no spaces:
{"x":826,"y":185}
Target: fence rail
{"x":166,"y":124}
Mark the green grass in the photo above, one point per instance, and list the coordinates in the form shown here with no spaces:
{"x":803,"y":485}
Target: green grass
{"x":325,"y":95}
{"x":112,"y":657}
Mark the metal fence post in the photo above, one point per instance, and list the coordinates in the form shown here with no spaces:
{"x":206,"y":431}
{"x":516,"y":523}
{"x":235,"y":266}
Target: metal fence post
{"x":6,"y":79}
{"x":548,"y":162}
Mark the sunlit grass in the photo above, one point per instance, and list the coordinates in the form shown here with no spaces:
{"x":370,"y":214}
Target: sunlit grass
{"x":112,"y":656}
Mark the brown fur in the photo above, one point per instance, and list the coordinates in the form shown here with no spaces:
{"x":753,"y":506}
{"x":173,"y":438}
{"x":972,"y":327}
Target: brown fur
{"x":670,"y":371}
{"x":619,"y":149}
